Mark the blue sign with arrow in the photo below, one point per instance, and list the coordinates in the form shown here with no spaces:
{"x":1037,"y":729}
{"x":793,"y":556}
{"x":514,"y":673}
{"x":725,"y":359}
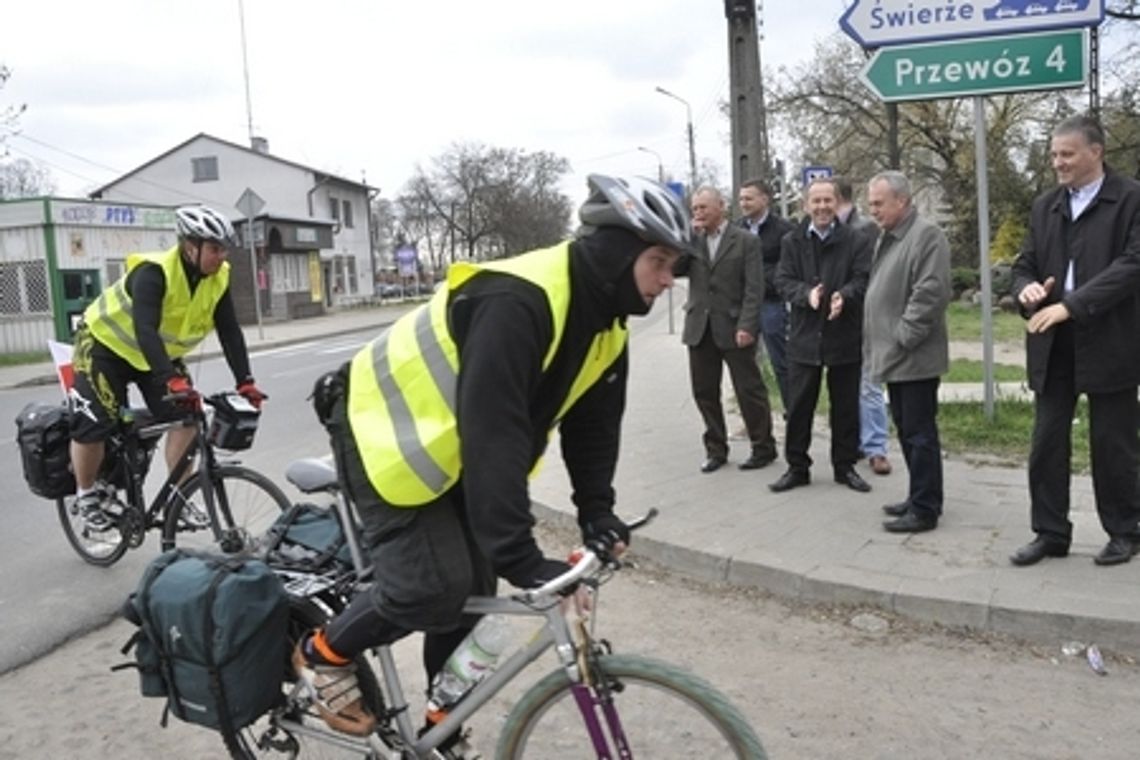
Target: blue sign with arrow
{"x":878,"y":23}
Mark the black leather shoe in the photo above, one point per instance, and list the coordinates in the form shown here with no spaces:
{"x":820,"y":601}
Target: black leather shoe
{"x":897,"y":510}
{"x":793,"y":478}
{"x":712,"y":464}
{"x":852,"y":480}
{"x":911,"y":523}
{"x":1037,"y":550}
{"x":757,"y":460}
{"x":1117,"y":551}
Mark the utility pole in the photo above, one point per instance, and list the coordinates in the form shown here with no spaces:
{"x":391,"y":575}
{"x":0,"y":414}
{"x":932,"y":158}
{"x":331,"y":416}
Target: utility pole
{"x":746,"y":94}
{"x":245,"y":72}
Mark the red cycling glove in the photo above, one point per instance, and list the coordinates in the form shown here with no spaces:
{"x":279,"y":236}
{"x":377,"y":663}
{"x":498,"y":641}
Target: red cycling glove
{"x":183,"y":392}
{"x":251,"y":393}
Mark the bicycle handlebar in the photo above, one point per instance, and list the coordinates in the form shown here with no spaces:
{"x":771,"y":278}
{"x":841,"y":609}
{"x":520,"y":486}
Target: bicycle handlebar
{"x":590,"y":560}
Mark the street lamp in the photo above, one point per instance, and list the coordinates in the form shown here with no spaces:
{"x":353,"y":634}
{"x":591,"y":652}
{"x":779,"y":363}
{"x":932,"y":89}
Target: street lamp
{"x":692,"y":147}
{"x":660,"y":168}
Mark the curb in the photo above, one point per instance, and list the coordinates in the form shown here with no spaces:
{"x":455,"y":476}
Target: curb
{"x":926,"y":603}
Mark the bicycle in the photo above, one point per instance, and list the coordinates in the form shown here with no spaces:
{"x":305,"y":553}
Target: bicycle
{"x":595,"y":704}
{"x":221,"y":502}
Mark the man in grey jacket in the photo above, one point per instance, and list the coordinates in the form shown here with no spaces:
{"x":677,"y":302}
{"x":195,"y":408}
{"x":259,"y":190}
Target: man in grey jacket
{"x":904,"y":330}
{"x":722,"y":317}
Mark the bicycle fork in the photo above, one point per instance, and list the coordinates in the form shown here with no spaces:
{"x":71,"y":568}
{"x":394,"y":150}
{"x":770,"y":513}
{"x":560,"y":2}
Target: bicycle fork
{"x":596,"y":692}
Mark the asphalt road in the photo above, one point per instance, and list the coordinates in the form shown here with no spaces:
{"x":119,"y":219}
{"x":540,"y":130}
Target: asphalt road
{"x":49,"y":594}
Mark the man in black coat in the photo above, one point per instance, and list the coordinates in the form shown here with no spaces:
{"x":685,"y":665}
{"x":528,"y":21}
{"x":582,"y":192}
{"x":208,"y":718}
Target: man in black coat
{"x":823,"y":272}
{"x":1077,"y":281}
{"x":722,"y":317}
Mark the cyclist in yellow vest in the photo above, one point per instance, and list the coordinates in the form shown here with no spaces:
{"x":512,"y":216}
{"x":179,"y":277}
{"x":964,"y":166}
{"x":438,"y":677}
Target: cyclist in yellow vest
{"x":138,"y":330}
{"x":436,"y":425}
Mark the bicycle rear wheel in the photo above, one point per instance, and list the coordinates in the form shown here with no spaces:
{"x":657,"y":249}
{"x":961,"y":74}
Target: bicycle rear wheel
{"x":295,"y":729}
{"x":247,"y":503}
{"x":662,"y":711}
{"x":97,"y":547}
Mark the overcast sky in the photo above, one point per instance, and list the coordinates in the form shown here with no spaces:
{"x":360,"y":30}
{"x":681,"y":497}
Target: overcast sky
{"x":371,"y":87}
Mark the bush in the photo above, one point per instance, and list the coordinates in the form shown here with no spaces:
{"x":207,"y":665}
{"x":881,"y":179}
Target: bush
{"x":962,"y":279}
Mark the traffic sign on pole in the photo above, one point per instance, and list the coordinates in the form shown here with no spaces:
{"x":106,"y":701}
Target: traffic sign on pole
{"x":250,"y":203}
{"x":1015,"y":63}
{"x":877,"y":23}
{"x":816,"y":172}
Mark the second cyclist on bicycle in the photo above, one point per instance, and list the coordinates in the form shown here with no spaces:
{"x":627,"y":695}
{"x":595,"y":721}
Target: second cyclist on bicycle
{"x":138,"y":329}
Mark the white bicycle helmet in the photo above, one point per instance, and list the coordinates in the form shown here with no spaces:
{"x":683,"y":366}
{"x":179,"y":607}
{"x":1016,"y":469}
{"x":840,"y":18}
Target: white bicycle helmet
{"x":203,"y":223}
{"x":646,"y":208}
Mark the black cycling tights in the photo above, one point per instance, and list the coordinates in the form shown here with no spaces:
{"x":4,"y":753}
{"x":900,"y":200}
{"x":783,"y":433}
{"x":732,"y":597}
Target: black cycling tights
{"x":361,"y":627}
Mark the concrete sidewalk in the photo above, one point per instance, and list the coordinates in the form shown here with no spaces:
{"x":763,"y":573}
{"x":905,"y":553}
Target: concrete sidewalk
{"x":823,"y":542}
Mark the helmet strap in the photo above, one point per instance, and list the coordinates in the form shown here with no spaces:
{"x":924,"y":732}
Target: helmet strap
{"x":194,"y":261}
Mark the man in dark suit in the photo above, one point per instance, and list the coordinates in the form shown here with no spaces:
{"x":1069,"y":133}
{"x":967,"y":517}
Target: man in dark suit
{"x":722,"y":314}
{"x":823,"y":274}
{"x":1077,"y":281}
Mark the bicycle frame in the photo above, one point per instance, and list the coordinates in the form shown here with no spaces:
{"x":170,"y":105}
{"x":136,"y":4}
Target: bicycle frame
{"x":555,"y":632}
{"x":158,"y":510}
{"x":536,"y":603}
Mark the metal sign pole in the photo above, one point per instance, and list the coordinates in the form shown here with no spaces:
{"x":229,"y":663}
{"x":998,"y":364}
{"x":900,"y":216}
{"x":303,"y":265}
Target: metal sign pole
{"x":256,"y":284}
{"x":249,"y":204}
{"x":981,"y":167}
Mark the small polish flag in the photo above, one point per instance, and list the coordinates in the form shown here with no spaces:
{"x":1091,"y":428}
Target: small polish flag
{"x":61,"y":355}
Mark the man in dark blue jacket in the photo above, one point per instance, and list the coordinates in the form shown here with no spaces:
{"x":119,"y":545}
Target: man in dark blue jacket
{"x":755,"y":200}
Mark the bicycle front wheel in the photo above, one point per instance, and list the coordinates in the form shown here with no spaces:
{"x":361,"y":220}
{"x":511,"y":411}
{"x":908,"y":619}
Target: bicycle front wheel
{"x":246,"y":503}
{"x":650,"y":708}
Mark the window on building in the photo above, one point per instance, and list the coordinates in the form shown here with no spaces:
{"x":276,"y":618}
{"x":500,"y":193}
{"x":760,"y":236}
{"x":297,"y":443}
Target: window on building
{"x":204,"y":168}
{"x":347,"y":214}
{"x":23,"y":288}
{"x":289,"y":272}
{"x":334,"y":208}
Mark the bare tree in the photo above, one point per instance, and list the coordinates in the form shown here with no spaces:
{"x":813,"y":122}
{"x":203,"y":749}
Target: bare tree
{"x":10,"y":114}
{"x":22,"y":178}
{"x":477,"y":202}
{"x":836,"y":120}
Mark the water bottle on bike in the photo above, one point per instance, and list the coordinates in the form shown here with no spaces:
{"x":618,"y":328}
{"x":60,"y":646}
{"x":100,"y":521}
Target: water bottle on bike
{"x":473,"y":659}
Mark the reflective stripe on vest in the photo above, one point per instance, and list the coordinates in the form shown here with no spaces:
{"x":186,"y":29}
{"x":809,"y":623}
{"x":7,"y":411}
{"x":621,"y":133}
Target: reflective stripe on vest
{"x":185,"y":321}
{"x":401,"y":400}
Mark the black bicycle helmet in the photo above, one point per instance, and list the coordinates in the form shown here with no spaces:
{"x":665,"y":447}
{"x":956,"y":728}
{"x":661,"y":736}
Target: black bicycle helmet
{"x":646,"y":208}
{"x":203,"y":223}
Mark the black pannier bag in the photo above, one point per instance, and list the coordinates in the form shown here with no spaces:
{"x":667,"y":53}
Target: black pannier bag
{"x":234,"y":422}
{"x":44,"y":438}
{"x":212,"y":638}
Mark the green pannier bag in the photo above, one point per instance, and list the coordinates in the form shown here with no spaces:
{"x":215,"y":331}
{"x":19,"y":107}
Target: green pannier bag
{"x":212,"y":638}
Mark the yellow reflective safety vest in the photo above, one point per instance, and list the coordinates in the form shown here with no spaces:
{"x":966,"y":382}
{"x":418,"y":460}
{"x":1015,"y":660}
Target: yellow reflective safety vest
{"x":401,"y":389}
{"x":186,"y":319}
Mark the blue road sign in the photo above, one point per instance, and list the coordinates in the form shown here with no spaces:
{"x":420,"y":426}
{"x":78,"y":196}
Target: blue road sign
{"x":816,"y":172}
{"x":877,"y":23}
